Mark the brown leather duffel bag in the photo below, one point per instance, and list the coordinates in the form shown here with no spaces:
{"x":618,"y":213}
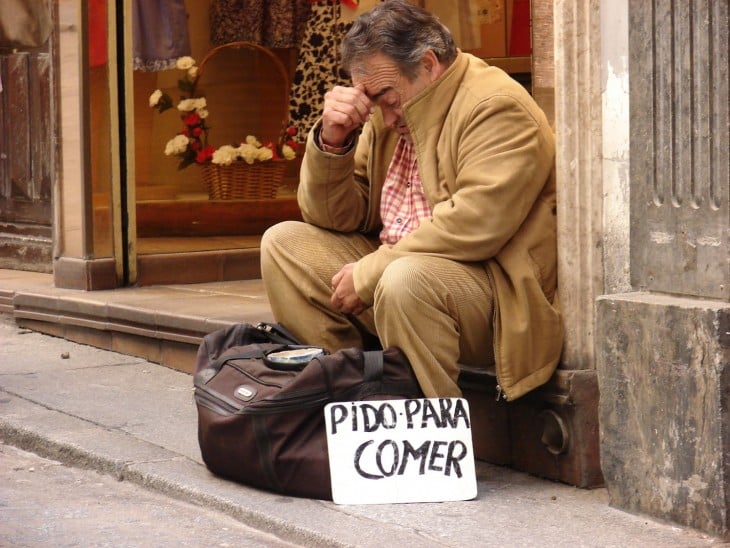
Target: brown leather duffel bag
{"x":261,"y":411}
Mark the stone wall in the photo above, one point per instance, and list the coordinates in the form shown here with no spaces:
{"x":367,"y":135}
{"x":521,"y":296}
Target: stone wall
{"x":662,"y":347}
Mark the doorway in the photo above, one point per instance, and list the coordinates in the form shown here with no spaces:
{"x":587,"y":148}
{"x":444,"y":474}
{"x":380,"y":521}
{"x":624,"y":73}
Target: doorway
{"x":28,"y":163}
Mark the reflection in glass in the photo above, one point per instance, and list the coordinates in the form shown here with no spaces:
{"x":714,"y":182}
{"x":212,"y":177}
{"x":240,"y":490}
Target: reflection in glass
{"x":99,"y":129}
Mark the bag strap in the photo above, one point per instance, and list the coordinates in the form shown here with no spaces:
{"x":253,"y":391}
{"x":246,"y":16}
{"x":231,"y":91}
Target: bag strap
{"x":373,"y":365}
{"x":373,"y":371}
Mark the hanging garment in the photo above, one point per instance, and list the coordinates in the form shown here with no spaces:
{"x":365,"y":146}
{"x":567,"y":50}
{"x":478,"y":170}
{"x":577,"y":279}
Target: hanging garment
{"x":160,"y":33}
{"x":269,"y":23}
{"x":318,"y":64}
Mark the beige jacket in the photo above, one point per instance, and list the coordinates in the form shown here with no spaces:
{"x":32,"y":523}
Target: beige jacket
{"x":486,"y":158}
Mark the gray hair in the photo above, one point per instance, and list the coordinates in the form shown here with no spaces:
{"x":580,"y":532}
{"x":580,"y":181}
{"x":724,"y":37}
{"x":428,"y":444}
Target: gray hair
{"x":401,"y":31}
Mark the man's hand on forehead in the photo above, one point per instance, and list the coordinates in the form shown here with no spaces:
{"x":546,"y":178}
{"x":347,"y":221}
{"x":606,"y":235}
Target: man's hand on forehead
{"x":345,"y":109}
{"x":365,"y":105}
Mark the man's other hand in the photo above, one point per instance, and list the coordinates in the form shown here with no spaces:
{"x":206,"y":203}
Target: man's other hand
{"x":344,"y":299}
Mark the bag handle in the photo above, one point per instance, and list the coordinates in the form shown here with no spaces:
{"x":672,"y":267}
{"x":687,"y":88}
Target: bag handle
{"x":277,"y":333}
{"x":373,"y":385}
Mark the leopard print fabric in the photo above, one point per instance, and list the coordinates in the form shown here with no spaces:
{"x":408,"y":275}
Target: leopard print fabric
{"x":318,"y":68}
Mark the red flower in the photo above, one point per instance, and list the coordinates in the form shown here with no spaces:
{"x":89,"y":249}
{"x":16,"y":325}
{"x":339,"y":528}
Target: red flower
{"x":291,"y":131}
{"x":205,"y":154}
{"x":197,"y":131}
{"x":196,"y":145}
{"x":192,"y":119}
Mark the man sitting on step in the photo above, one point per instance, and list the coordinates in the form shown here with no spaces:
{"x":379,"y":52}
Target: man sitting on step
{"x":428,"y":197}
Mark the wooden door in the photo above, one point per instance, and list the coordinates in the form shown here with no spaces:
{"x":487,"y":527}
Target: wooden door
{"x":28,"y":168}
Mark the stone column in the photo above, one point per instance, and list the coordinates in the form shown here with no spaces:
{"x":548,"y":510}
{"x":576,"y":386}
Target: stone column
{"x":578,"y":126}
{"x":663,"y":348}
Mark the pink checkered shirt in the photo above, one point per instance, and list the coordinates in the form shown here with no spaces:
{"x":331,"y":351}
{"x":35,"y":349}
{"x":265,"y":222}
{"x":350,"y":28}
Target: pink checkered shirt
{"x":403,"y":204}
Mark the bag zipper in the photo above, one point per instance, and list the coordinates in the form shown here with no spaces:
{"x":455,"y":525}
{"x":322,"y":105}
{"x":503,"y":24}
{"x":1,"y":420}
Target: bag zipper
{"x":251,"y":377}
{"x":270,"y":407}
{"x":215,"y":402}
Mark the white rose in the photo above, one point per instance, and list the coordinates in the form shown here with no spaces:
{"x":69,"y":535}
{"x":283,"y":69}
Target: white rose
{"x":184,"y":63}
{"x":155,"y":97}
{"x":193,"y":72}
{"x":264,"y":154}
{"x":253,"y":141}
{"x":225,"y":155}
{"x":176,"y":145}
{"x":288,"y":152}
{"x":186,"y":105}
{"x":248,"y":153}
{"x":203,"y":113}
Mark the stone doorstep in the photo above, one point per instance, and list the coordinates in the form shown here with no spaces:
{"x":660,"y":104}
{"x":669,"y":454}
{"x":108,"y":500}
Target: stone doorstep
{"x":163,"y":337}
{"x":551,"y":432}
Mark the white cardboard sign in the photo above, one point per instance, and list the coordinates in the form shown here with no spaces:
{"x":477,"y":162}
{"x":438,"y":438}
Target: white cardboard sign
{"x":417,"y":450}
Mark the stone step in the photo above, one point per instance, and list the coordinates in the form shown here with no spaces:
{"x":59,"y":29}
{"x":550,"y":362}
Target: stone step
{"x":6,"y":301}
{"x":162,"y":324}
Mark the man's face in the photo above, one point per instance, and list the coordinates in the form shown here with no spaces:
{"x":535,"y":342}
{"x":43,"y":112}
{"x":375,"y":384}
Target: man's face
{"x":389,"y":89}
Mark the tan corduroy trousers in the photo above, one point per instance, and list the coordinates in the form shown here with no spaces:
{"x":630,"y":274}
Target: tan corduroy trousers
{"x":437,"y":311}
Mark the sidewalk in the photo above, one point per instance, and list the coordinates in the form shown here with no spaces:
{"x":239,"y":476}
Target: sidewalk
{"x":136,"y":421}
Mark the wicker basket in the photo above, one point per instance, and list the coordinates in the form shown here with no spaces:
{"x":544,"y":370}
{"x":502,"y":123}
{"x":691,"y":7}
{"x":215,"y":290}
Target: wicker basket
{"x":241,"y":180}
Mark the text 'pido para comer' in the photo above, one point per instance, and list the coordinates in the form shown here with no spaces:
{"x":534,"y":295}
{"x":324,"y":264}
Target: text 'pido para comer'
{"x":386,"y":451}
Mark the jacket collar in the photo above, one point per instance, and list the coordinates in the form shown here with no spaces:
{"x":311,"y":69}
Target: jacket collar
{"x":427,"y":110}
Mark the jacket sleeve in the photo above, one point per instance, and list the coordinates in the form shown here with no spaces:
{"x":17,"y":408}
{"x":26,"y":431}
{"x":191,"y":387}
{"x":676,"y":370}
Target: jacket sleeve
{"x":333,"y":189}
{"x":502,"y":157}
